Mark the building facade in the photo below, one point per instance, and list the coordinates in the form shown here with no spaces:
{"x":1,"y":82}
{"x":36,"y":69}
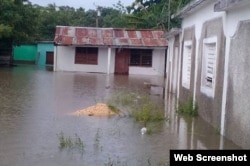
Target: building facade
{"x":109,"y":50}
{"x":208,"y":62}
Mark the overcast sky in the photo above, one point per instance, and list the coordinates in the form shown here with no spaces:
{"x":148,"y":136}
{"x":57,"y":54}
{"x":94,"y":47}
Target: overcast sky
{"x":86,"y":4}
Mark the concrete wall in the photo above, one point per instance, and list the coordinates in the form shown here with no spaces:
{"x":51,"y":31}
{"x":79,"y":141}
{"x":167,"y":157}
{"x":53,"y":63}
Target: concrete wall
{"x":42,"y":48}
{"x":210,"y":107}
{"x":173,"y":62}
{"x":228,"y":107}
{"x":188,"y":36}
{"x":25,"y":54}
{"x":237,"y":122}
{"x":64,"y":58}
{"x":158,"y":62}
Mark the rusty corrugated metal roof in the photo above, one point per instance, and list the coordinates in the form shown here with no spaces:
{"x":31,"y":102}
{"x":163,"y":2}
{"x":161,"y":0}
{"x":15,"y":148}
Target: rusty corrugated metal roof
{"x":79,"y":36}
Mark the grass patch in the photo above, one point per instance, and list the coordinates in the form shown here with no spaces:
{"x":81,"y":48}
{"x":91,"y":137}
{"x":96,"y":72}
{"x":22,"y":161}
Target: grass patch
{"x":147,"y":112}
{"x":115,"y":162}
{"x":188,"y":108}
{"x":141,"y":107}
{"x":70,"y":143}
{"x":113,"y":108}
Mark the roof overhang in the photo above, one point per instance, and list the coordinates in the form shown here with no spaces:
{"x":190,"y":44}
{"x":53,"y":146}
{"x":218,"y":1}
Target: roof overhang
{"x":225,"y":5}
{"x":173,"y":32}
{"x":191,"y":7}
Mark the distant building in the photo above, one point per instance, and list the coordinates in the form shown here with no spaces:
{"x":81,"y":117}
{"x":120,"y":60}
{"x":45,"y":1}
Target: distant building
{"x":110,"y":50}
{"x":40,"y":53}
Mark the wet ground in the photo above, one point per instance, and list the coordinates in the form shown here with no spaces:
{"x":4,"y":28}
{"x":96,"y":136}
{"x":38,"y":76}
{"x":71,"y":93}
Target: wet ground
{"x":34,"y":108}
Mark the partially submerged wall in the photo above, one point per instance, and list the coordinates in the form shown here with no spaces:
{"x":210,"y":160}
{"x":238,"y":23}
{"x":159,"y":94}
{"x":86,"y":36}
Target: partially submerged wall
{"x":237,"y":120}
{"x":210,"y":105}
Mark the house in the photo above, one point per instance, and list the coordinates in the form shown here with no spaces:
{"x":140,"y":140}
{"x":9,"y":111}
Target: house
{"x":209,"y":62}
{"x":40,"y":53}
{"x":109,"y":50}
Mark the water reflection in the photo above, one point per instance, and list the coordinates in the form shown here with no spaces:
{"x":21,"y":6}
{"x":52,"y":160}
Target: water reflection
{"x":194,"y":132}
{"x":34,"y":108}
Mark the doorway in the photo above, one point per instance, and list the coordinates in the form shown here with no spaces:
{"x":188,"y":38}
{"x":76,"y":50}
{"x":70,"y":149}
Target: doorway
{"x":122,"y":61}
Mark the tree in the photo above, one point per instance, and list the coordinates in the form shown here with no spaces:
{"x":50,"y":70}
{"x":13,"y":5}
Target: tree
{"x":149,"y":14}
{"x":16,"y":19}
{"x":154,"y":13}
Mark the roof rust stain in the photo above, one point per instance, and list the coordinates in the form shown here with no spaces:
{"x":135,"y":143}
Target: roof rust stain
{"x":80,"y":36}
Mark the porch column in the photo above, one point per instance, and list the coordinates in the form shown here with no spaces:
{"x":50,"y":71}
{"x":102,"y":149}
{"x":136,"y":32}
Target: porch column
{"x":55,"y":58}
{"x":109,"y":59}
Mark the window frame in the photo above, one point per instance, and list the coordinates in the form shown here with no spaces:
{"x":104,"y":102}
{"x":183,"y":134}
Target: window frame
{"x":187,"y":64}
{"x":141,"y":57}
{"x":86,"y":55}
{"x":209,"y":66}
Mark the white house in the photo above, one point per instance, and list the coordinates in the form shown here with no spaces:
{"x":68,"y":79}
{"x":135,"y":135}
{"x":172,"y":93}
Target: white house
{"x":209,"y":61}
{"x":109,"y":50}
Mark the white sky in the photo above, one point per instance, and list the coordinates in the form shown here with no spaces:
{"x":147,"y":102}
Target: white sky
{"x":86,"y":4}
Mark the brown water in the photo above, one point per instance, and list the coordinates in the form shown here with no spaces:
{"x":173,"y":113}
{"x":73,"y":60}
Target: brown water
{"x":34,"y":108}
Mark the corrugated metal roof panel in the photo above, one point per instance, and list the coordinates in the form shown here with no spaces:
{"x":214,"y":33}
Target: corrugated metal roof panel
{"x":66,"y":35}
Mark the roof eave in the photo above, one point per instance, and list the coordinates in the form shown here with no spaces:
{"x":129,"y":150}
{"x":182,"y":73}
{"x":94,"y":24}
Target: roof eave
{"x":225,"y":5}
{"x":190,"y":8}
{"x":173,"y":32}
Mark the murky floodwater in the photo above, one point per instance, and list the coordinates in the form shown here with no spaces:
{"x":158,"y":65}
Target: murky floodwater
{"x":34,"y":108}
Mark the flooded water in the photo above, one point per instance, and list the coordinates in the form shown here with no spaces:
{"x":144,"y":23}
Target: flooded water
{"x":34,"y":108}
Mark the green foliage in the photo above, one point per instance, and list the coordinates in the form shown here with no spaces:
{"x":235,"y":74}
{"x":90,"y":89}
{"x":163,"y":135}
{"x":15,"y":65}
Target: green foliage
{"x":148,"y":112}
{"x":142,"y":108}
{"x":5,"y":31}
{"x":70,"y":143}
{"x":18,"y":21}
{"x":113,"y":108}
{"x":188,"y":108}
{"x":154,"y":14}
{"x":27,"y":22}
{"x":115,"y":162}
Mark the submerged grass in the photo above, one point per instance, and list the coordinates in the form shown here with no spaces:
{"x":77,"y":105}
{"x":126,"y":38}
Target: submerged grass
{"x":119,"y":162}
{"x":113,"y":108}
{"x":141,"y":107}
{"x":188,"y":108}
{"x":70,"y":143}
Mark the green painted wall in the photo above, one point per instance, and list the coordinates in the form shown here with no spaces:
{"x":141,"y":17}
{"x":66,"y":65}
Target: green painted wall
{"x":26,"y":53}
{"x":42,"y":48}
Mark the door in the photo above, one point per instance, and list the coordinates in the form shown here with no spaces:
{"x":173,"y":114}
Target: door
{"x":122,"y":61}
{"x":49,"y":58}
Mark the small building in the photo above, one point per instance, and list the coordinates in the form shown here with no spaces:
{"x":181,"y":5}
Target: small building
{"x":25,"y":54}
{"x":110,"y":50}
{"x":40,"y":53}
{"x":45,"y":53}
{"x":209,"y":62}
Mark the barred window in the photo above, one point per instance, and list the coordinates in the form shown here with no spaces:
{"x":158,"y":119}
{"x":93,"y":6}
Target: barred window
{"x":209,"y":58}
{"x":141,"y":57}
{"x":186,"y":64}
{"x":86,"y":55}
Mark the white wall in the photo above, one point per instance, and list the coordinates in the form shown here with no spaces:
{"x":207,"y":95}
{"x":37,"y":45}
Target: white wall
{"x":158,"y":62}
{"x":231,"y":20}
{"x":199,"y":17}
{"x":66,"y":60}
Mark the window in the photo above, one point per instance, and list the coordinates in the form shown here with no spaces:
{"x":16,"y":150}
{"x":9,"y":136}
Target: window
{"x":186,"y":64}
{"x":141,"y":57}
{"x":86,"y":55}
{"x":208,"y":73}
